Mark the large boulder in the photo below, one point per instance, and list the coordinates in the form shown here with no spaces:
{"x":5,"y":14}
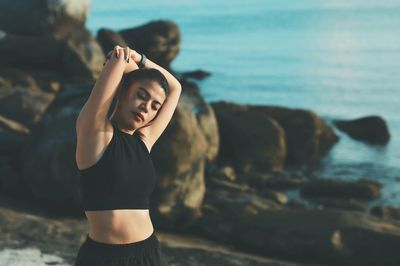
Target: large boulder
{"x":308,"y":136}
{"x":257,"y":137}
{"x":49,"y":166}
{"x":249,"y":141}
{"x":108,"y":38}
{"x":78,"y":56}
{"x":370,"y":129}
{"x":205,"y":117}
{"x":83,"y":56}
{"x":189,"y":142}
{"x":159,"y":40}
{"x":43,"y":18}
{"x":30,"y":51}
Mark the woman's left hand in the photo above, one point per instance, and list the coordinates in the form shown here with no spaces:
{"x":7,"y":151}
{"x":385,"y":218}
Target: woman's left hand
{"x":130,"y":57}
{"x":131,"y":65}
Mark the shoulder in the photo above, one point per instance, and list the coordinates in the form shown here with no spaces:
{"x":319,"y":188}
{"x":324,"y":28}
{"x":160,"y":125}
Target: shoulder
{"x":91,"y":144}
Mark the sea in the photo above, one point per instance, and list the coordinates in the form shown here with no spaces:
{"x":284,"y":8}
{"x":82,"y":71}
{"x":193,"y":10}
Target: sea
{"x":339,"y":59}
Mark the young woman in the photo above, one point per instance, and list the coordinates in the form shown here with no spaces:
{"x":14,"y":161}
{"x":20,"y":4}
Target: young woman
{"x":116,"y":171}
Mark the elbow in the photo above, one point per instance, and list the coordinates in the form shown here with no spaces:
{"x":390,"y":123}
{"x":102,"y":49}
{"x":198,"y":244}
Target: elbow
{"x":178,"y":86}
{"x":175,"y":87}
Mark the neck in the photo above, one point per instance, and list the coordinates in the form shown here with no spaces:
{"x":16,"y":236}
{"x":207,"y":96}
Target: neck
{"x":118,"y":122}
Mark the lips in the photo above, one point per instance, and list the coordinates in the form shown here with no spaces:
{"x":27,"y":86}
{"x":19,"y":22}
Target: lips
{"x":139,"y":115}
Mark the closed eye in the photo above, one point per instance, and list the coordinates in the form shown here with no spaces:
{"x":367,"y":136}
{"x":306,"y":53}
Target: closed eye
{"x":142,"y":96}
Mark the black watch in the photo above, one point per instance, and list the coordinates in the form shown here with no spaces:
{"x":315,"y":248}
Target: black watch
{"x":142,"y":61}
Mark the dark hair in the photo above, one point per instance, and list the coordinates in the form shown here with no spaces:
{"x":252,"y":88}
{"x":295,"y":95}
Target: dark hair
{"x":145,"y":74}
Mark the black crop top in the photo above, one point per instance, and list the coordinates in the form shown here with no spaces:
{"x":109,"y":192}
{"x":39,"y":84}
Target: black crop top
{"x":123,"y":178}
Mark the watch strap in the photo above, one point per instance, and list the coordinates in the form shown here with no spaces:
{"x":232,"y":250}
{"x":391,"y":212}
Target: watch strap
{"x":142,"y":61}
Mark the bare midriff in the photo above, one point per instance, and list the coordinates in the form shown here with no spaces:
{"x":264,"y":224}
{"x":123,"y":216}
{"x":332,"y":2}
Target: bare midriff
{"x":119,"y":226}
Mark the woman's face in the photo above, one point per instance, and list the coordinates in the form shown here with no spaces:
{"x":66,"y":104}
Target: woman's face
{"x":141,"y":102}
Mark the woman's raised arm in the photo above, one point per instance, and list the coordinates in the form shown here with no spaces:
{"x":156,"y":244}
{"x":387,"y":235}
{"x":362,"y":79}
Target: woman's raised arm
{"x":95,"y":110}
{"x":173,"y":83}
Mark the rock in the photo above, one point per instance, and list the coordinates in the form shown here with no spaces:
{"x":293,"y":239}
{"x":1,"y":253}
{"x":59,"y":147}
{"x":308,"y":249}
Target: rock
{"x":197,"y":74}
{"x":277,"y":197}
{"x":329,"y":237}
{"x":386,"y":212}
{"x":283,"y":183}
{"x":25,"y":105}
{"x":83,"y":55}
{"x":13,"y":126}
{"x":25,"y":224}
{"x":158,"y":39}
{"x":29,"y":257}
{"x":308,"y":137}
{"x":261,"y":148}
{"x":13,"y":77}
{"x":344,"y":204}
{"x":78,"y":54}
{"x":296,"y":204}
{"x":341,"y":188}
{"x":205,"y":116}
{"x":303,"y":139}
{"x":108,"y":39}
{"x":204,"y":252}
{"x":370,"y":129}
{"x":23,"y":228}
{"x":221,"y":184}
{"x":369,"y":181}
{"x":181,"y":190}
{"x":10,"y":180}
{"x":225,"y":172}
{"x":49,"y":168}
{"x":222,"y":207}
{"x":43,"y":52}
{"x":272,"y":181}
{"x":43,"y":18}
{"x":13,"y":137}
{"x":50,"y":80}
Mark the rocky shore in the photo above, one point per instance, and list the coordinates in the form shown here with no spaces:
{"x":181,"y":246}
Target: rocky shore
{"x":32,"y":236}
{"x":225,"y":195}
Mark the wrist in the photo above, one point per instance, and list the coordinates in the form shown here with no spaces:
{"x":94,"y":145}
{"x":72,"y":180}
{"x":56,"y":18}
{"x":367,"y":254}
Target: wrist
{"x":136,"y":57}
{"x":143,"y":60}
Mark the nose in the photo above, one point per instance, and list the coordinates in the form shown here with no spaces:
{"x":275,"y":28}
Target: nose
{"x":145,"y":106}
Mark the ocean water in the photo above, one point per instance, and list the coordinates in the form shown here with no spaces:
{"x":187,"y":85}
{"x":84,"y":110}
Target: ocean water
{"x":340,"y":59}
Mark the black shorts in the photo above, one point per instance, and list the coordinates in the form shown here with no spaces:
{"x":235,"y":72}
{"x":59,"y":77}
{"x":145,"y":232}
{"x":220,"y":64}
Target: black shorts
{"x":146,"y":252}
